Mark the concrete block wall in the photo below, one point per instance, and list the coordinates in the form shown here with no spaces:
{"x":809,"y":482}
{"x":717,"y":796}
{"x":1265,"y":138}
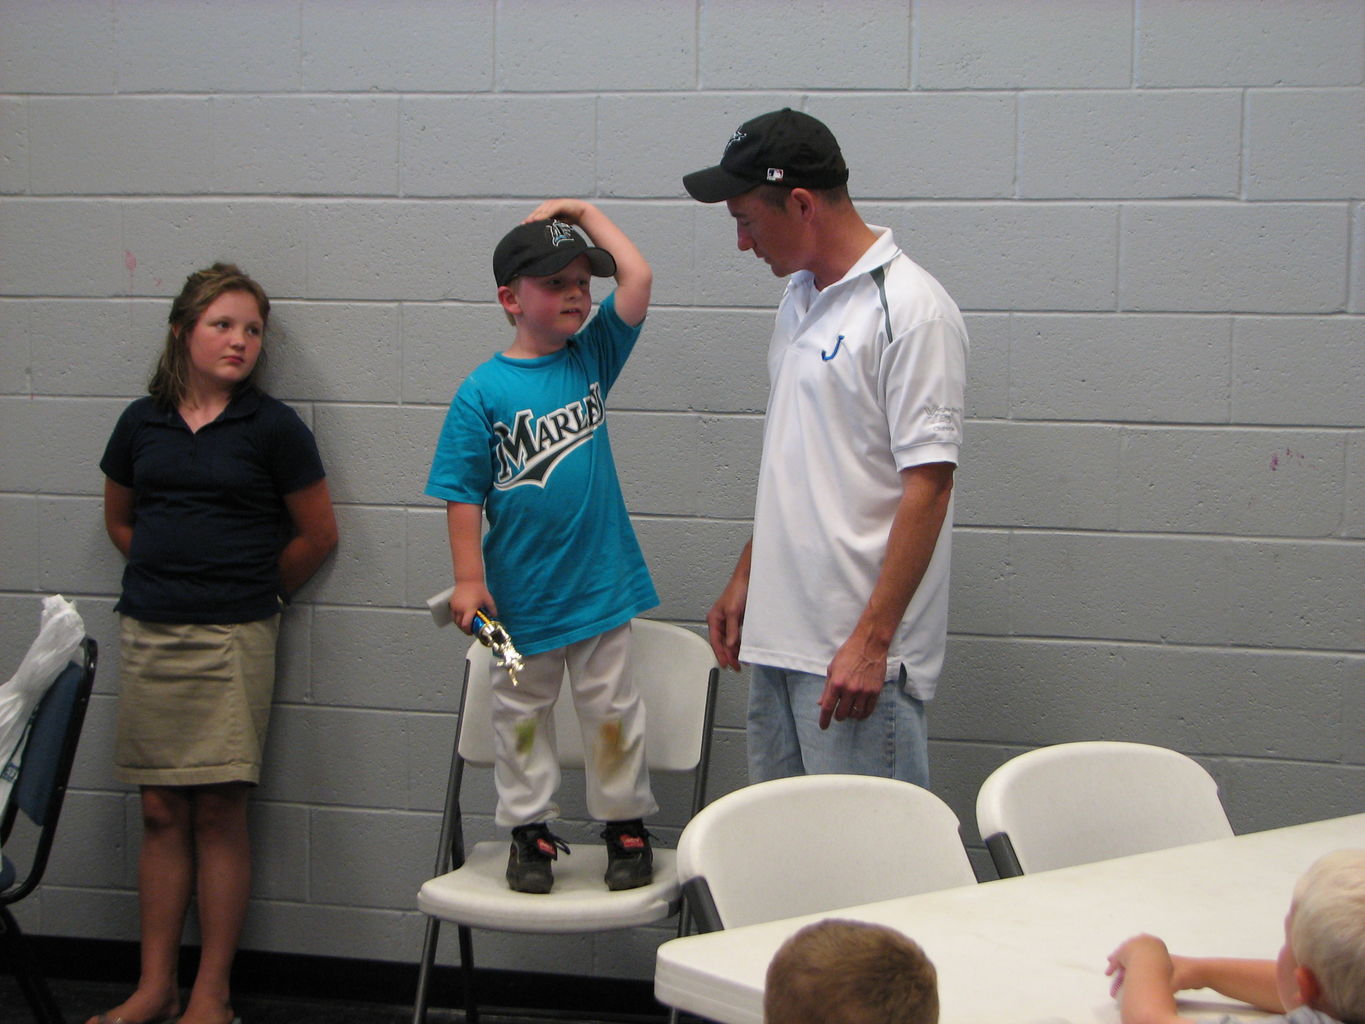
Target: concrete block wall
{"x":1149,"y":210}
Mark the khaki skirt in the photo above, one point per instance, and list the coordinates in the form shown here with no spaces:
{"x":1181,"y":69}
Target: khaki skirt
{"x":194,"y":701}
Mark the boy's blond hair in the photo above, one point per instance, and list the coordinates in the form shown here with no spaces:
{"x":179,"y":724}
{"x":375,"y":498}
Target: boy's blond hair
{"x":1327,"y":931}
{"x":850,"y":972}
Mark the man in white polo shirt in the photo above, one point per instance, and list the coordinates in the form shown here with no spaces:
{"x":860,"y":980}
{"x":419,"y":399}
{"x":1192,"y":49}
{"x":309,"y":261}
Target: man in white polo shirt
{"x":839,"y":601}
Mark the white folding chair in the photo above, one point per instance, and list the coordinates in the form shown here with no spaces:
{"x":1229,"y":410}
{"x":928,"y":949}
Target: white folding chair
{"x":816,"y":842}
{"x":676,"y":673}
{"x":1074,"y":803}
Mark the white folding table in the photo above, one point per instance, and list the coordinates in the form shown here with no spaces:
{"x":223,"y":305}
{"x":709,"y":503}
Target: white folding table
{"x":1032,"y":950}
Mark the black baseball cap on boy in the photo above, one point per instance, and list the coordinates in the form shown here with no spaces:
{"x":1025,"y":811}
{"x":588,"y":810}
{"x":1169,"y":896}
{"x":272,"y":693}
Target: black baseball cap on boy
{"x":785,"y":148}
{"x":545,"y":247}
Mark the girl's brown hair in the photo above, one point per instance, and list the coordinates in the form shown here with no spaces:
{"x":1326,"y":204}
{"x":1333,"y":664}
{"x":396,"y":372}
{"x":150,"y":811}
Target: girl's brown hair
{"x":169,"y":382}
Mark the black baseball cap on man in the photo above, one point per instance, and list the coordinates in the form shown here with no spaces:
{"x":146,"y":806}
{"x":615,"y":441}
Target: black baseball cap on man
{"x":545,"y":247}
{"x":785,"y":148}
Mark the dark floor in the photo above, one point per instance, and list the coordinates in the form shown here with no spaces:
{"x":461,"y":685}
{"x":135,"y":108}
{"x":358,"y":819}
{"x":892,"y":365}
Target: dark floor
{"x":88,"y":976}
{"x":80,"y":999}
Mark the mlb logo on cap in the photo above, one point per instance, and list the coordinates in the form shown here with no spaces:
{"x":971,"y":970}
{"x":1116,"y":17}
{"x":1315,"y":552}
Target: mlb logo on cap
{"x":775,"y":174}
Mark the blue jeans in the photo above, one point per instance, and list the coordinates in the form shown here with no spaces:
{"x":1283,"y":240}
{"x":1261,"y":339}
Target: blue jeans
{"x":785,"y":737}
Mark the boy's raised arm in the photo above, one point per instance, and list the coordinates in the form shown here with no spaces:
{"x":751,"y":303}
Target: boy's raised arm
{"x":634,"y":278}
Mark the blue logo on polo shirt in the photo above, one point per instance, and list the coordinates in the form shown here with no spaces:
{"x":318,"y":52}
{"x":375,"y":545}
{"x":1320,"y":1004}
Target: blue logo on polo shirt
{"x":827,"y":356}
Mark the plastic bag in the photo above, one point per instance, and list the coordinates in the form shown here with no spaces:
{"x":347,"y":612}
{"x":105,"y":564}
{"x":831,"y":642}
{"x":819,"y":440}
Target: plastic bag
{"x":60,"y":633}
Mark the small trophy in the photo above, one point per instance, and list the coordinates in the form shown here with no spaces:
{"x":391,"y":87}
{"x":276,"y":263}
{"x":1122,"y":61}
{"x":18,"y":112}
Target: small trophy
{"x":486,"y":629}
{"x":492,"y":634}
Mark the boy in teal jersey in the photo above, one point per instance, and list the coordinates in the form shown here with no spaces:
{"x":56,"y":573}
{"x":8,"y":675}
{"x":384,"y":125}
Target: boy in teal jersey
{"x":525,"y":443}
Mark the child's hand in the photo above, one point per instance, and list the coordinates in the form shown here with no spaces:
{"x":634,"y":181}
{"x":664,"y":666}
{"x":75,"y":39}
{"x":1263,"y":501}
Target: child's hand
{"x":1145,"y":952}
{"x":568,"y":210}
{"x":466,"y":599}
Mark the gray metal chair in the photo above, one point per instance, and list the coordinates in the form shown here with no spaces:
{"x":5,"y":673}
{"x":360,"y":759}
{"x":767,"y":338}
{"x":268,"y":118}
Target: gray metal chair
{"x":35,"y":803}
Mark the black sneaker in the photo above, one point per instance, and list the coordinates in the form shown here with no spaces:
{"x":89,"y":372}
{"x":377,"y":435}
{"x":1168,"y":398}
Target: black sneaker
{"x":630,"y":861}
{"x":528,"y":862}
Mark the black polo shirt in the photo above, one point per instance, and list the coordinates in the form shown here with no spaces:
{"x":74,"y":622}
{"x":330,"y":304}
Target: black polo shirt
{"x":209,"y":518}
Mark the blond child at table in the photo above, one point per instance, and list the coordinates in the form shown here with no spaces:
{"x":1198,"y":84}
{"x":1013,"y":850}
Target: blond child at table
{"x":1319,"y":977}
{"x":850,"y":972}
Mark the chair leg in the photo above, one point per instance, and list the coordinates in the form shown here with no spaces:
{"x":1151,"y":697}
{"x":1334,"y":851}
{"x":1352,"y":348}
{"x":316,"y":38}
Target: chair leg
{"x":419,"y":1006}
{"x":26,"y":973}
{"x":39,"y":997}
{"x":471,"y":1004}
{"x":684,"y":923}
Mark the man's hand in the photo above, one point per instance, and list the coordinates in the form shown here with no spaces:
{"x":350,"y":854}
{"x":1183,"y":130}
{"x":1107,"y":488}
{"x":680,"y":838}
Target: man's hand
{"x":725,"y":622}
{"x":854,"y":681}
